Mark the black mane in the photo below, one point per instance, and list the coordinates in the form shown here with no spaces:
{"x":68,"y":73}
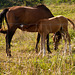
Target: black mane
{"x":43,"y":6}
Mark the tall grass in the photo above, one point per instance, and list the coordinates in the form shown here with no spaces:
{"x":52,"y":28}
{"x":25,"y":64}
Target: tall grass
{"x":25,"y":61}
{"x":48,"y":2}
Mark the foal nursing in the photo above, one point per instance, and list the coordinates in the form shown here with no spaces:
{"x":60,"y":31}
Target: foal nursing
{"x":52,"y":25}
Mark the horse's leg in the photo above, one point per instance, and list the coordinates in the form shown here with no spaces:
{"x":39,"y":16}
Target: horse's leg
{"x":43,"y":44}
{"x":65,"y":44}
{"x":55,"y":40}
{"x":41,"y":48}
{"x":64,"y":37}
{"x":48,"y":44}
{"x":38,"y":39}
{"x":69,"y":40}
{"x":9,"y":36}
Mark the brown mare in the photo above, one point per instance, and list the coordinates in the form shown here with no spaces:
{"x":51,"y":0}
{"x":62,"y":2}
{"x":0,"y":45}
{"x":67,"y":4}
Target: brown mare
{"x":17,"y":15}
{"x":51,"y":25}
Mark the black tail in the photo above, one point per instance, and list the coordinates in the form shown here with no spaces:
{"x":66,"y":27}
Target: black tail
{"x":2,"y":15}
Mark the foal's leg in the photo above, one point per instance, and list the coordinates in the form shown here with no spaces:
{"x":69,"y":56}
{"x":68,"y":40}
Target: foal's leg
{"x":9,"y":35}
{"x":41,"y":48}
{"x":43,"y":45}
{"x":64,"y":37}
{"x":38,"y":39}
{"x":69,"y":40}
{"x":65,"y":43}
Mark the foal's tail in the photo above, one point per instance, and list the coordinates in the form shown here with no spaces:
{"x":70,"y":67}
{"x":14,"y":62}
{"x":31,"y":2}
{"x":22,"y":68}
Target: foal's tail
{"x":2,"y":16}
{"x":71,"y":23}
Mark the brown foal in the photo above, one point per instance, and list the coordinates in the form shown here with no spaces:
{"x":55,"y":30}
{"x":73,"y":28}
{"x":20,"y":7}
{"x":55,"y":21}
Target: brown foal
{"x":51,"y":25}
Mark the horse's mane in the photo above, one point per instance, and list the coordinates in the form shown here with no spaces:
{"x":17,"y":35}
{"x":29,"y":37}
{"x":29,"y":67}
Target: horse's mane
{"x":42,"y":6}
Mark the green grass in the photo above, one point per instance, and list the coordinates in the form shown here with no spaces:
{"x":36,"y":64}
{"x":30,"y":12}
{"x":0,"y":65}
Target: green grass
{"x":63,"y":9}
{"x":24,"y":59}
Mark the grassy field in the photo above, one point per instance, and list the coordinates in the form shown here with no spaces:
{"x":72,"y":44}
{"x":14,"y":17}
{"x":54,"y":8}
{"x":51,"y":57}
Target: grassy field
{"x":25,"y":61}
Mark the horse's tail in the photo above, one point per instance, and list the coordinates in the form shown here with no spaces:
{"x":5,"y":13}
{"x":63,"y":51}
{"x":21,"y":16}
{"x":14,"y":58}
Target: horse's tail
{"x":71,"y":23}
{"x":2,"y":16}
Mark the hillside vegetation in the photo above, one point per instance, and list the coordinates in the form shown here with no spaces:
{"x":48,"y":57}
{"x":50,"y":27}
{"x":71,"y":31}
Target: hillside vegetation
{"x":9,"y":3}
{"x":25,"y":61}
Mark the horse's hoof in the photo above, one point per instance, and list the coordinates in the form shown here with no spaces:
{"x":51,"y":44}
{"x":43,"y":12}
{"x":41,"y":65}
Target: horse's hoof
{"x":55,"y":48}
{"x":49,"y":52}
{"x":9,"y":55}
{"x":36,"y":50}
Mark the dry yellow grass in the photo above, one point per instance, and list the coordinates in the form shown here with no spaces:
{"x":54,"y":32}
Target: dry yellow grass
{"x":25,"y":61}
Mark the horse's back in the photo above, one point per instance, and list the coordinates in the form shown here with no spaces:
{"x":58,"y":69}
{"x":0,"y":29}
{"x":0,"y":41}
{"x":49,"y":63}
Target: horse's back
{"x":62,"y":18}
{"x":50,"y":25}
{"x":64,"y":22}
{"x":30,"y":14}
